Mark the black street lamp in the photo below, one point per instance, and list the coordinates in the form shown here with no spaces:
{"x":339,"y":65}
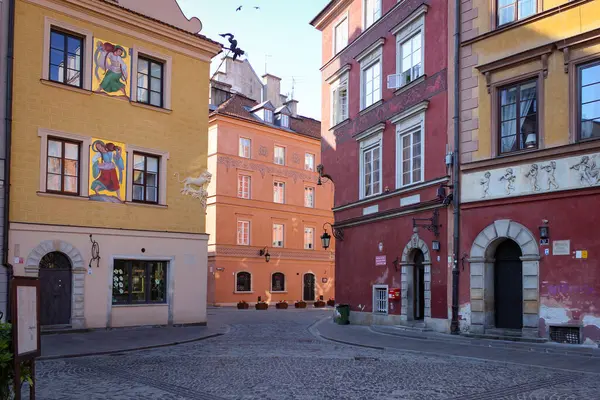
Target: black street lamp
{"x":265,"y":252}
{"x":326,"y":237}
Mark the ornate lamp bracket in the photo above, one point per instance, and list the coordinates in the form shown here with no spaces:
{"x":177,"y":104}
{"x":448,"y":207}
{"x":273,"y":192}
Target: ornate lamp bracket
{"x":431,"y":224}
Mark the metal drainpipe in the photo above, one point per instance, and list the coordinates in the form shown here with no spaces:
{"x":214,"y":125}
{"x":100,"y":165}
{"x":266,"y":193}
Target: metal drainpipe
{"x":454,"y":328}
{"x":8,"y":134}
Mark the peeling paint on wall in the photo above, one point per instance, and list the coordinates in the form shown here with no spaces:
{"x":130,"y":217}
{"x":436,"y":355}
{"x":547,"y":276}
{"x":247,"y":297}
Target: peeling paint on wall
{"x":591,"y":320}
{"x":554,"y":315}
{"x":464,"y":317}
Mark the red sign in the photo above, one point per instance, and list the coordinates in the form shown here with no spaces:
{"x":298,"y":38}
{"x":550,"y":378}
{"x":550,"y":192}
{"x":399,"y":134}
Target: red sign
{"x":380,"y":261}
{"x":394,"y":294}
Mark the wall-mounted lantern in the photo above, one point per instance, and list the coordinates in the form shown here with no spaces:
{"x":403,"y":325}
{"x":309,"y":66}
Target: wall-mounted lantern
{"x":320,"y":181}
{"x":265,"y":252}
{"x":326,"y":237}
{"x":435,"y":245}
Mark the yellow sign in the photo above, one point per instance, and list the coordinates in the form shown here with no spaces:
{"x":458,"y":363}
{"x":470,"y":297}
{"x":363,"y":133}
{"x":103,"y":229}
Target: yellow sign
{"x":112,"y":66}
{"x":107,"y":171}
{"x":583,"y":253}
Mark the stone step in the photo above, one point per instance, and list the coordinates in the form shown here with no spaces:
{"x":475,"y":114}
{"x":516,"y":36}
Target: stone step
{"x":509,"y":338}
{"x":504,"y":332}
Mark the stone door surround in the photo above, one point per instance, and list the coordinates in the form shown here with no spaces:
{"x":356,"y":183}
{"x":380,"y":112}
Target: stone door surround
{"x":407,"y":277}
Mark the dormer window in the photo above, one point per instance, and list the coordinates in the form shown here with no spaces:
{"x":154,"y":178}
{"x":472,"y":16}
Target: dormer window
{"x":268,"y":116}
{"x":284,"y":120}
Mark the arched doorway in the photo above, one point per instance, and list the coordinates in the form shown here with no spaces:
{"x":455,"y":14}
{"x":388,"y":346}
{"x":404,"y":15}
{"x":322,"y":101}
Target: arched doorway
{"x":55,"y":289}
{"x":415,"y":277}
{"x":508,"y":286}
{"x":419,"y":285}
{"x":308,"y":287}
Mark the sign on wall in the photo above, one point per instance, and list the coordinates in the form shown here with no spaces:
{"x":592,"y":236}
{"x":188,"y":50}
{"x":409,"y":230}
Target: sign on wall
{"x":111,"y":69}
{"x":107,"y":171}
{"x":561,"y":247}
{"x":380,"y":261}
{"x":532,"y":178}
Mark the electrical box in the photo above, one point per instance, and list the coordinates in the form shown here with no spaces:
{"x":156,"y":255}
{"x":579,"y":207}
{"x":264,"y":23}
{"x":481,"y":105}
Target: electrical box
{"x":394,"y":294}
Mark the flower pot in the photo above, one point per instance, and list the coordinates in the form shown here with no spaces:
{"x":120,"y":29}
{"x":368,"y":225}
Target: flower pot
{"x":242,"y":306}
{"x":331,"y":303}
{"x":261,"y":306}
{"x":281,"y":306}
{"x":319,"y":304}
{"x":300,"y":304}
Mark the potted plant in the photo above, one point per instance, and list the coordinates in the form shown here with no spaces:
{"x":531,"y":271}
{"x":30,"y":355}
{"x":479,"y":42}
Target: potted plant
{"x":319,"y":304}
{"x":261,"y":305}
{"x":242,"y":305}
{"x":300,"y":304}
{"x":281,"y":305}
{"x":331,"y":302}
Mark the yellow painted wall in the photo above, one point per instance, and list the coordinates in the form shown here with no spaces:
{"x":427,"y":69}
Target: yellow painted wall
{"x":183,"y":132}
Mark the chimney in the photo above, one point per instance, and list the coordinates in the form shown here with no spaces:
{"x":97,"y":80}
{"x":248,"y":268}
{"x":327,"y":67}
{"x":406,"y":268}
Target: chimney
{"x":271,"y":88}
{"x":293,"y":107}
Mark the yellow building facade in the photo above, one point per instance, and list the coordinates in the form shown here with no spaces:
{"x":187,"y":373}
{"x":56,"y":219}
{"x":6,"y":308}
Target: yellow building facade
{"x":108,"y":161}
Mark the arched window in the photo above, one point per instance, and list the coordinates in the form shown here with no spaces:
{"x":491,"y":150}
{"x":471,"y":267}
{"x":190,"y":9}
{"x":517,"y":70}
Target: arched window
{"x":278,"y":282}
{"x":243,"y":282}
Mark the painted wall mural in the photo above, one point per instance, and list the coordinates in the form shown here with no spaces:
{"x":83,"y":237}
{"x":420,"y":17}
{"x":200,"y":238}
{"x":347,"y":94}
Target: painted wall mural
{"x":107,"y":171}
{"x":532,"y":178}
{"x":111,"y":70}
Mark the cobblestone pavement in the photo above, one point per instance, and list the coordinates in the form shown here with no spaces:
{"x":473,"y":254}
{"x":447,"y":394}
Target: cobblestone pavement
{"x":274,"y":355}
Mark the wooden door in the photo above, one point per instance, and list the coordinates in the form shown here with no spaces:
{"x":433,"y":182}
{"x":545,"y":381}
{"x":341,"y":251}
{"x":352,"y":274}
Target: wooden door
{"x":309,"y":287}
{"x":419,"y":286}
{"x":508,"y":286}
{"x":55,"y":289}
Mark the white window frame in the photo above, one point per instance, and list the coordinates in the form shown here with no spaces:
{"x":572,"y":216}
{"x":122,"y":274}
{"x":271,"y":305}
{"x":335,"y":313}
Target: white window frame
{"x":279,"y":185}
{"x":282,"y":235}
{"x":311,"y":245}
{"x":307,"y":156}
{"x":376,"y":290}
{"x":251,"y":282}
{"x":246,"y":224}
{"x":268,"y":116}
{"x":241,"y":182}
{"x":406,"y":125}
{"x":366,"y":11}
{"x":163,"y":157}
{"x":275,"y":155}
{"x":373,"y":59}
{"x":405,"y":32}
{"x":285,"y":121}
{"x":345,"y":18}
{"x":367,"y":145}
{"x":341,"y":82}
{"x":309,"y":189}
{"x":167,"y":62}
{"x":241,"y":150}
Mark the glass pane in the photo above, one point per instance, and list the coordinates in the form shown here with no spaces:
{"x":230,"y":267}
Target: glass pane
{"x":53,"y":182}
{"x":57,"y":41}
{"x":120,"y":292}
{"x":152,"y":164}
{"x":73,"y":77}
{"x":71,"y":184}
{"x":508,"y":112}
{"x":416,"y":42}
{"x":508,"y":96}
{"x":406,"y":177}
{"x":590,"y":75}
{"x":590,"y":110}
{"x":138,"y":177}
{"x":508,"y":128}
{"x":138,"y":282}
{"x":54,"y":148}
{"x":142,"y":81}
{"x":156,"y":70}
{"x":508,"y":144}
{"x":142,"y":95}
{"x":158,"y":281}
{"x":506,"y":15}
{"x":74,"y":45}
{"x":54,"y":165}
{"x":590,"y":129}
{"x":155,"y":84}
{"x":416,"y":175}
{"x":138,"y":192}
{"x":142,"y":66}
{"x":504,"y":3}
{"x":155,"y":99}
{"x":152,"y":194}
{"x":56,"y":74}
{"x":590,"y":93}
{"x":138,"y":161}
{"x":57,"y":57}
{"x":151,"y":179}
{"x":72,"y":151}
{"x":71,"y":168}
{"x":526,"y":8}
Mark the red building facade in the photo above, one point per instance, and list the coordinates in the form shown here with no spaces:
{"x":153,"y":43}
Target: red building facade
{"x":384,"y":142}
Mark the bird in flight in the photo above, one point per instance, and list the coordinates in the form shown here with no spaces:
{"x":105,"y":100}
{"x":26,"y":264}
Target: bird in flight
{"x":239,"y":8}
{"x":256,"y":8}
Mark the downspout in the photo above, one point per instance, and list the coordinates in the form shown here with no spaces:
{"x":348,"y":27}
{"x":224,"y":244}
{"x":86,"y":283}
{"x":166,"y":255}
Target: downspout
{"x":8,"y":134}
{"x":454,"y":328}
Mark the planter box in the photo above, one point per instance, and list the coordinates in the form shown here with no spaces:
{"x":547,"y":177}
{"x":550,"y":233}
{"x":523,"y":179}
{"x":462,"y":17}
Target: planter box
{"x":281,"y":306}
{"x":319,"y":304}
{"x":261,"y":306}
{"x":331,"y":303}
{"x":300,"y":304}
{"x":242,"y":306}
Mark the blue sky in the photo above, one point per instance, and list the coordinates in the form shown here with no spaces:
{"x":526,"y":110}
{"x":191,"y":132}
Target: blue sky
{"x":281,"y":30}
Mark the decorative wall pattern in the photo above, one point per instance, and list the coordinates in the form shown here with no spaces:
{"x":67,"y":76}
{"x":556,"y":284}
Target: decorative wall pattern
{"x":532,"y":178}
{"x":276,"y":254}
{"x":231,"y":162}
{"x":263,"y":151}
{"x":296,"y":158}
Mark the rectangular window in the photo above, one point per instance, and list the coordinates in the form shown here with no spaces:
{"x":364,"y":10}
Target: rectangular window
{"x":277,"y":235}
{"x":340,"y":35}
{"x":66,"y":61}
{"x":309,"y":197}
{"x":243,"y":233}
{"x":411,"y":58}
{"x":137,"y":281}
{"x":371,"y":170}
{"x":309,"y":238}
{"x":145,"y":178}
{"x":285,"y":121}
{"x":371,"y":84}
{"x":411,"y":160}
{"x":245,"y":148}
{"x":268,"y":116}
{"x":589,"y":101}
{"x":309,"y":162}
{"x":279,"y":192}
{"x":514,"y":10}
{"x":380,"y":299}
{"x":63,"y":168}
{"x":279,"y":155}
{"x":518,"y":117}
{"x":150,"y":82}
{"x":244,"y":183}
{"x":372,"y":12}
{"x":339,"y":96}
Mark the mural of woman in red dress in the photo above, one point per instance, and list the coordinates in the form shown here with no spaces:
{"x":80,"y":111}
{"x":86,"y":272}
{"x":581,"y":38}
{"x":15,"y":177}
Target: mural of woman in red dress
{"x":107,"y":170}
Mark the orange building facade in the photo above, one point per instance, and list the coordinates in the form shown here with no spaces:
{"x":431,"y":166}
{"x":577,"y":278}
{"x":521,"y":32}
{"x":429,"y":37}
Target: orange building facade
{"x":265,"y":203}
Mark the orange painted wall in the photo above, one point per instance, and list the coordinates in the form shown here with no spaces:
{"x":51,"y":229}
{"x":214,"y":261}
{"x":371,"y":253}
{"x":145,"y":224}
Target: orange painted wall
{"x":226,"y":257}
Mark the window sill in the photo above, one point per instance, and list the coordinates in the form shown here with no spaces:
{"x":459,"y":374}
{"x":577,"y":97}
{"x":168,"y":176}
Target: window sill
{"x":149,"y":107}
{"x":339,"y":124}
{"x":135,"y":203}
{"x":371,"y":197}
{"x":408,"y":186}
{"x":140,"y":305}
{"x":278,"y":292}
{"x":371,"y":107}
{"x":410,"y":85}
{"x":236,"y":292}
{"x":65,"y":86}
{"x":62,"y":196}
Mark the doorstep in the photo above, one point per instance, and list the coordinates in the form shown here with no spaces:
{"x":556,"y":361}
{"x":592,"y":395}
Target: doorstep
{"x":505,"y":337}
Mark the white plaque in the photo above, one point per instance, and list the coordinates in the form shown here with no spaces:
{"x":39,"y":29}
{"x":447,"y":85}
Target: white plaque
{"x":561,"y":247}
{"x":27,"y":319}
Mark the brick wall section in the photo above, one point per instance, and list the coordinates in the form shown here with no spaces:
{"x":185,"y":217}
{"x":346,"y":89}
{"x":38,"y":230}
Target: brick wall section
{"x":469,"y":92}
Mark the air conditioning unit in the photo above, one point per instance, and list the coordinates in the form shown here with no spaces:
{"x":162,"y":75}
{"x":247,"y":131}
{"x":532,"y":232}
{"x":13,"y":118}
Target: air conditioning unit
{"x":396,"y":81}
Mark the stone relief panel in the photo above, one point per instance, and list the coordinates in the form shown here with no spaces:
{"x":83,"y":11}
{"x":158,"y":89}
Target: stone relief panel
{"x":532,"y":178}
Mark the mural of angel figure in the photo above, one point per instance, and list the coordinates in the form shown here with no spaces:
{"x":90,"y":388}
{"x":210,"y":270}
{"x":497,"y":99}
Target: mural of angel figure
{"x":110,"y":58}
{"x":509,"y":179}
{"x":485,"y":183}
{"x":107,"y":171}
{"x":550,"y":169}
{"x":588,"y":171}
{"x":533,"y":177}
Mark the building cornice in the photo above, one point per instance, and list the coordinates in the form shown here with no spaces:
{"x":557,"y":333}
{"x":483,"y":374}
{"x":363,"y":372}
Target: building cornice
{"x":337,"y":74}
{"x":367,"y":52}
{"x":374,"y":130}
{"x":330,"y":12}
{"x":249,"y":253}
{"x":412,"y":18}
{"x":416,"y":109}
{"x":389,"y":214}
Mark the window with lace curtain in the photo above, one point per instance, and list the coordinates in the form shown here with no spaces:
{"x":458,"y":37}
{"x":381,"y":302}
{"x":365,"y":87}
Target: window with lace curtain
{"x":518,"y":117}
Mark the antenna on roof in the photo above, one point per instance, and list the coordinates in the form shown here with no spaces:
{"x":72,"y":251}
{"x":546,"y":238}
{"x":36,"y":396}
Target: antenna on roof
{"x":293,"y":86}
{"x":266,"y":56}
